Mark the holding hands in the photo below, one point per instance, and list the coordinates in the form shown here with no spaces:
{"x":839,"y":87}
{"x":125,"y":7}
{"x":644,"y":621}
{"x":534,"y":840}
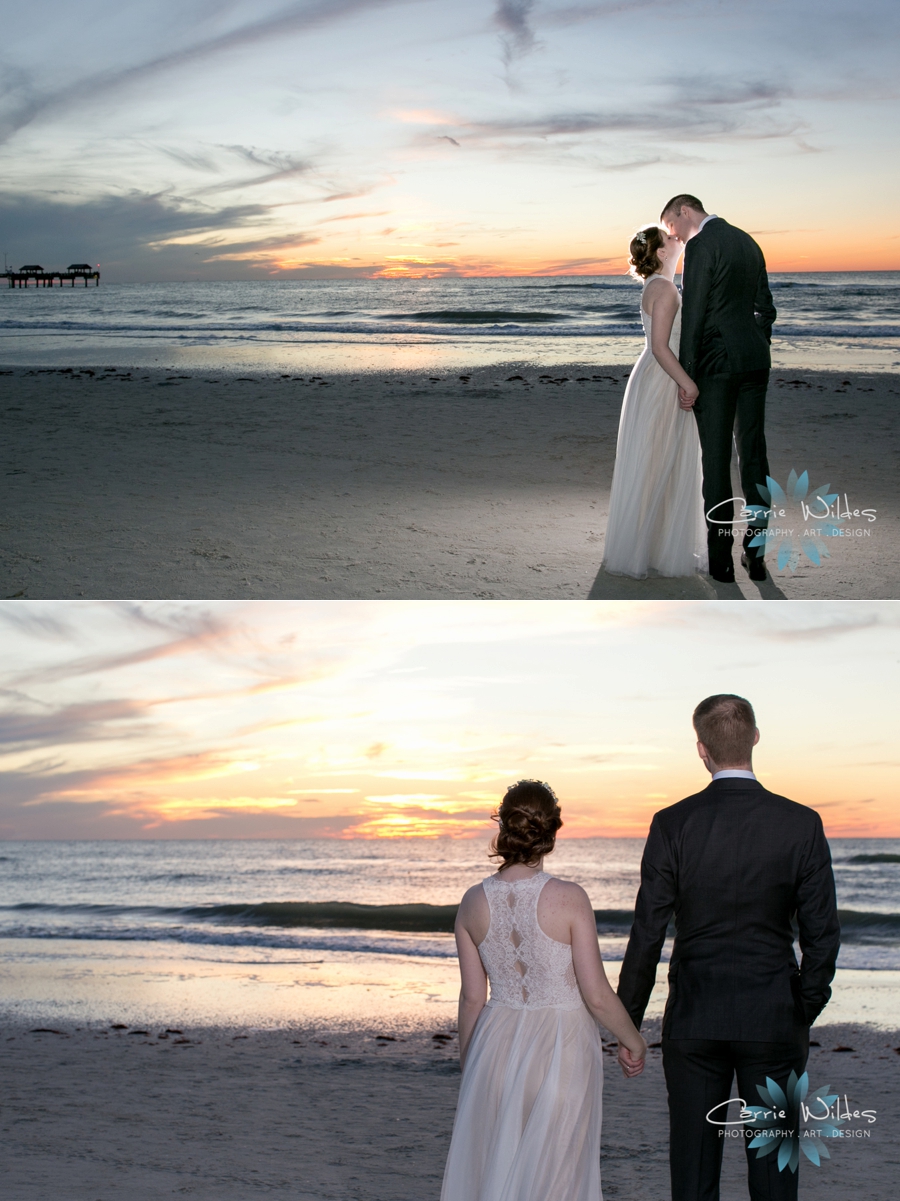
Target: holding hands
{"x":631,"y":1062}
{"x":688,"y":395}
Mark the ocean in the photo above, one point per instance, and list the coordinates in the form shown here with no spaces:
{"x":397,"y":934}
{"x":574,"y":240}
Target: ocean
{"x":834,"y":321}
{"x":395,"y":897}
{"x":214,"y":928}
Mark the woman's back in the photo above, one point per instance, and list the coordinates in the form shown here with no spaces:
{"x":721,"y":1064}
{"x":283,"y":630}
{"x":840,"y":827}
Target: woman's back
{"x":531,"y":1097}
{"x":527,"y":969}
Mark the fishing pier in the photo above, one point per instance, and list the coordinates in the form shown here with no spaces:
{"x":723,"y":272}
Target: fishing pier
{"x":46,"y":279}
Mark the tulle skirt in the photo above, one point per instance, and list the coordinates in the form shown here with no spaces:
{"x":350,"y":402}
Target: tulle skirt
{"x":530,"y":1107}
{"x":656,"y":504}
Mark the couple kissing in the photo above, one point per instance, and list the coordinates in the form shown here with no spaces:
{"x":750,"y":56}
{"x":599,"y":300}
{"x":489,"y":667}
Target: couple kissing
{"x":700,"y":383}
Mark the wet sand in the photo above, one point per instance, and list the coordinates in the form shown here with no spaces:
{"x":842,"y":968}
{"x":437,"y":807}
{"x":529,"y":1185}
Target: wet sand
{"x":310,"y":1114}
{"x":209,"y":485}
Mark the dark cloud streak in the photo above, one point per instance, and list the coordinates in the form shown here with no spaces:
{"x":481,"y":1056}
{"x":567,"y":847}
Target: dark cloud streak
{"x":517,"y":37}
{"x":295,"y":18}
{"x":129,"y":234}
{"x":72,"y":723}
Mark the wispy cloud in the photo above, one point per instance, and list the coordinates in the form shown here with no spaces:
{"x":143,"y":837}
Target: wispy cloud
{"x":187,"y":631}
{"x":403,"y":720}
{"x":26,"y":100}
{"x":88,"y":721}
{"x":188,"y":140}
{"x":517,"y":37}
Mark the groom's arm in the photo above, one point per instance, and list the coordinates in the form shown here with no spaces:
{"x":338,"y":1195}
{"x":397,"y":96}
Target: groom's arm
{"x":696,"y":281}
{"x":820,"y":931}
{"x":764,"y":306}
{"x":652,"y":911}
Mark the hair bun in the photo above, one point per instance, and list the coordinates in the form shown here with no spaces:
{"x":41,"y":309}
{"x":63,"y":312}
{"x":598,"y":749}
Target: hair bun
{"x":528,"y":819}
{"x":644,"y":260}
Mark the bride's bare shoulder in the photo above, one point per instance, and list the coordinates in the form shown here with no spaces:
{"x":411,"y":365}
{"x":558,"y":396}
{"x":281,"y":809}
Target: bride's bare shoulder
{"x":658,"y":285}
{"x":658,"y":289}
{"x":473,"y":899}
{"x":565,"y":893}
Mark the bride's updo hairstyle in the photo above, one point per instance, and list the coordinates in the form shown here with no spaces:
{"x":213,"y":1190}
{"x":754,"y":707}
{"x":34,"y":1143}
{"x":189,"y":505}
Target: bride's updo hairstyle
{"x":644,"y":260}
{"x":528,"y":819}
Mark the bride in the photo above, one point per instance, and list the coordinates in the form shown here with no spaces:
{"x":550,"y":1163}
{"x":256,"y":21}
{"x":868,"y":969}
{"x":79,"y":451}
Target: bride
{"x":528,"y":1120}
{"x":656,"y":517}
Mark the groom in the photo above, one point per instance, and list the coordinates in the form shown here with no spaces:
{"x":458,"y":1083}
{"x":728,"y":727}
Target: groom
{"x":734,"y":865}
{"x":726,"y":328}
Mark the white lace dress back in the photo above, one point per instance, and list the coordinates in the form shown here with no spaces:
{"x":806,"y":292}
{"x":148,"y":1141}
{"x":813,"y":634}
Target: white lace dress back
{"x":656,"y":521}
{"x":526,"y":968}
{"x":531,"y":1097}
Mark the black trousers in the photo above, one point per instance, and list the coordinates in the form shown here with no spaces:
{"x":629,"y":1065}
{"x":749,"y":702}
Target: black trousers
{"x":699,"y":1074}
{"x":731,"y":406}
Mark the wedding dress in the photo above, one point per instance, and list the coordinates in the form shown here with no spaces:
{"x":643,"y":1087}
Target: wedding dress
{"x":656,"y":517}
{"x":530,"y":1102}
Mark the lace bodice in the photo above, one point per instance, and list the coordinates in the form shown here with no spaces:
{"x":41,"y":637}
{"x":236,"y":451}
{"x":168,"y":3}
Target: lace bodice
{"x":527,"y":969}
{"x":646,"y":321}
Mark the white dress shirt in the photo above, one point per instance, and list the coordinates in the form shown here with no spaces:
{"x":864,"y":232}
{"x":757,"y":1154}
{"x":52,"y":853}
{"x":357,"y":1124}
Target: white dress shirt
{"x":708,"y":217}
{"x":734,"y":773}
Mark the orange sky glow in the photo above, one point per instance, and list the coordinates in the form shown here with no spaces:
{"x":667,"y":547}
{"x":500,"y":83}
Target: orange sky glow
{"x":398,"y":719}
{"x":423,"y":139}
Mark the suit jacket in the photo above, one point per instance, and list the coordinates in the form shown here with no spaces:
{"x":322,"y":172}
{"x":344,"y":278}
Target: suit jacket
{"x":734,"y":864}
{"x":727,"y":310}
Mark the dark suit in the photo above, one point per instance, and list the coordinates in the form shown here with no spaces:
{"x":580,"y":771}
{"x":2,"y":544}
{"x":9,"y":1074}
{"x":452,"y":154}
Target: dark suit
{"x":733,"y":865}
{"x":726,"y":328}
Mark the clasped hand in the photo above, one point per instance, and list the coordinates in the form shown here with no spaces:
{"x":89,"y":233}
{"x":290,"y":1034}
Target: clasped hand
{"x":687,"y":396}
{"x":631,"y":1065}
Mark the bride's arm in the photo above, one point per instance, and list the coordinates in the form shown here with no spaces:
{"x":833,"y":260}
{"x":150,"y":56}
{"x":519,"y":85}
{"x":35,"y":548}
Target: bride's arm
{"x":473,"y":992}
{"x":596,"y":989}
{"x":662,"y":305}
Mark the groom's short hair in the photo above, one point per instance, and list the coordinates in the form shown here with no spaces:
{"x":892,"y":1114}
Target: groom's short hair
{"x":677,"y":203}
{"x":726,"y":725}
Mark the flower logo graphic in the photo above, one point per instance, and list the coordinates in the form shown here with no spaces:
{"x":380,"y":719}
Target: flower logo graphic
{"x":815,"y":505}
{"x":778,"y":1129}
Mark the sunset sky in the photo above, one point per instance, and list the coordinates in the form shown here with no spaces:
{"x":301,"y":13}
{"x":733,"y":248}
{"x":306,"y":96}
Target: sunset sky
{"x":223,"y":139}
{"x":282,"y":719}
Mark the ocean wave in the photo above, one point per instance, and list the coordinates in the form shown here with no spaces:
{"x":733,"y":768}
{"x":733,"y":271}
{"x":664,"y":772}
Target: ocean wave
{"x":873,"y":859}
{"x":836,"y":331}
{"x":418,"y":918}
{"x":423,"y":946}
{"x":474,"y":316}
{"x":368,"y":330}
{"x":856,"y":925}
{"x":472,"y":325}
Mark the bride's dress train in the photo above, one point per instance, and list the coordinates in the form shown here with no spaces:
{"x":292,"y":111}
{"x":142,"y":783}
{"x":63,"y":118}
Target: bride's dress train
{"x":530,"y":1103}
{"x":656,"y":517}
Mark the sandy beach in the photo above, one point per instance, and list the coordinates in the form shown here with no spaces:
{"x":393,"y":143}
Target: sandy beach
{"x":204,"y":484}
{"x":92,"y":1114}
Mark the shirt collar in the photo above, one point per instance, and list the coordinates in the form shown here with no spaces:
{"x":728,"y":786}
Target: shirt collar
{"x":733,"y":773}
{"x":708,"y":218}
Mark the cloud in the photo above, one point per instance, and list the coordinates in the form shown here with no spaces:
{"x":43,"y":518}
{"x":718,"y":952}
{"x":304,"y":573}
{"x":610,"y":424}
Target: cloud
{"x":26,"y":101}
{"x":279,"y":167}
{"x":72,"y":723}
{"x":827,"y":630}
{"x":136,"y":233}
{"x":713,"y":116}
{"x":187,"y":631}
{"x":517,"y":37}
{"x":564,"y":266}
{"x":37,"y":622}
{"x":691,"y":109}
{"x":575,"y":14}
{"x":196,"y":162}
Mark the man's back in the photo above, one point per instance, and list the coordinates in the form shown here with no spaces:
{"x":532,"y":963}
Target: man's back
{"x":728,"y":312}
{"x":733,"y":864}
